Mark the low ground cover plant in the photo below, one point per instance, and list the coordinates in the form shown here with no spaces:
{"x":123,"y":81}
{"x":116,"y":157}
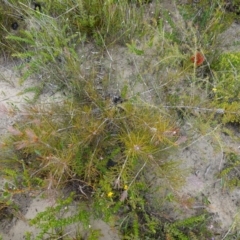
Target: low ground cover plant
{"x":103,"y":148}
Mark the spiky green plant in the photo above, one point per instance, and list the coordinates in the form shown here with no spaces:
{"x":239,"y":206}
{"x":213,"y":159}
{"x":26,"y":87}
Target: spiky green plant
{"x":53,"y":221}
{"x":230,"y":173}
{"x":189,"y":228}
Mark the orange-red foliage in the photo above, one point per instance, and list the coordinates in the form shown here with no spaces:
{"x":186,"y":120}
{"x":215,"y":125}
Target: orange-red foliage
{"x":198,"y":58}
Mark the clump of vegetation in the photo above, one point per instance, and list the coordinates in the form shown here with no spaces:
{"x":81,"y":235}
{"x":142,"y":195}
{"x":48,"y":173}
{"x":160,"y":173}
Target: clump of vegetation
{"x":226,"y":89}
{"x":10,"y":20}
{"x":52,"y":222}
{"x":230,"y":172}
{"x":103,"y":146}
{"x":189,"y":228}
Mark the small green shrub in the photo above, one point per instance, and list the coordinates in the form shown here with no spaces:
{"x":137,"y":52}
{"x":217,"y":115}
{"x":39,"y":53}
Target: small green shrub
{"x":227,"y":87}
{"x":209,"y":18}
{"x":49,"y":51}
{"x":230,"y":173}
{"x":227,"y":77}
{"x":188,"y":229}
{"x":53,"y":221}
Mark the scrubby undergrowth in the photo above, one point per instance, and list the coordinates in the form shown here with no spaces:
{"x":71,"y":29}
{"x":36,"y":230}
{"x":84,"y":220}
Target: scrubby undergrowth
{"x":103,"y":144}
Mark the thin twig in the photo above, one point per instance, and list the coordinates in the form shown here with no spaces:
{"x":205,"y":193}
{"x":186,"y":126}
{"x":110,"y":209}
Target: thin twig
{"x":137,"y":174}
{"x":63,"y":129}
{"x":117,"y":181}
{"x":67,"y":11}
